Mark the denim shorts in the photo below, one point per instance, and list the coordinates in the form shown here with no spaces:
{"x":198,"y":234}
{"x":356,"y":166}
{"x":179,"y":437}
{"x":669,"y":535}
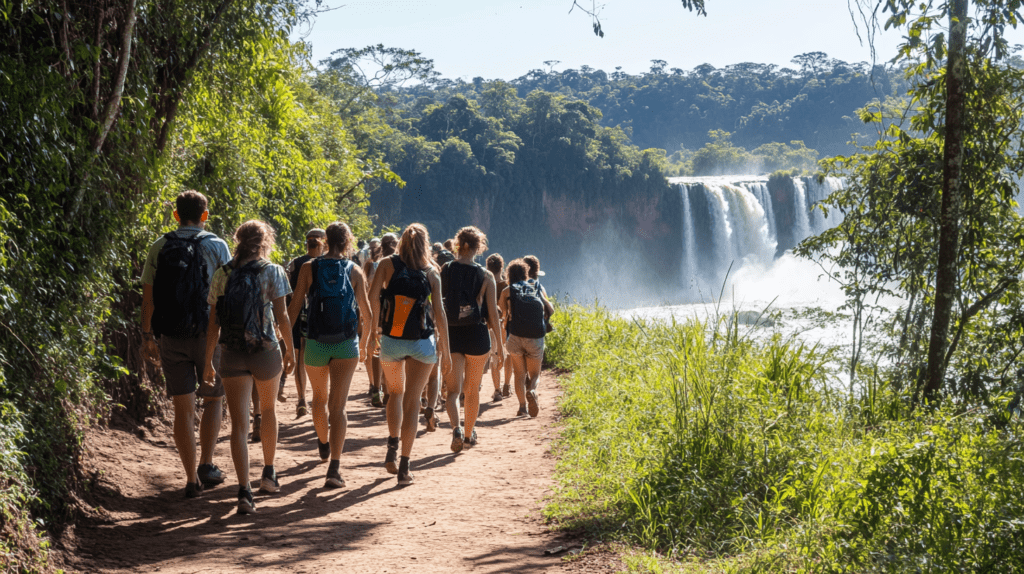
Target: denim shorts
{"x":319,"y":354}
{"x":393,"y":350}
{"x":529,"y":348}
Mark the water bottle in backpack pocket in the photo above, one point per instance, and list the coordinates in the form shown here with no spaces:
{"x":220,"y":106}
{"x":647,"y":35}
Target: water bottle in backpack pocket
{"x":240,"y":310}
{"x":333,"y":316}
{"x":460,"y":285}
{"x":406,"y":312}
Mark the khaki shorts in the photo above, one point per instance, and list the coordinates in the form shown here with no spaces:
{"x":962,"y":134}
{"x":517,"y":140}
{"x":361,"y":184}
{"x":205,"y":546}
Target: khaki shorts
{"x":183,"y":362}
{"x":529,"y":348}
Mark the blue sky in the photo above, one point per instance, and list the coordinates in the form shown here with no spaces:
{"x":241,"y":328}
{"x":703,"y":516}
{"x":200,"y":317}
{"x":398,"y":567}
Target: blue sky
{"x":507,"y":38}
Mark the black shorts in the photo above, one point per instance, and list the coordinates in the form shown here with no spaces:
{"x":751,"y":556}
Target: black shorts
{"x":473,"y":340}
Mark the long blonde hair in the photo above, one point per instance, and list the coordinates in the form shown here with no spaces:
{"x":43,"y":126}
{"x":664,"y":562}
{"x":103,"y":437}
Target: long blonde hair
{"x":414,"y":246}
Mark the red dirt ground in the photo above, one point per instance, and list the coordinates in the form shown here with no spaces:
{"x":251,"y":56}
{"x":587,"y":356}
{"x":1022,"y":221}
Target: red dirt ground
{"x":476,"y":511}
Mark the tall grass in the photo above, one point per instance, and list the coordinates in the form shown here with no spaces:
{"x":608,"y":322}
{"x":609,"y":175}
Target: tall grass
{"x":699,"y":440}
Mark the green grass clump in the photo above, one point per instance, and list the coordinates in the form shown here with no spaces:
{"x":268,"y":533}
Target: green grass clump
{"x":697,"y":441}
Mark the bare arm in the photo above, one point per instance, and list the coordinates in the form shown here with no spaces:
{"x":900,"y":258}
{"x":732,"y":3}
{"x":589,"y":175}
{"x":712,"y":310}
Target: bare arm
{"x":503,"y":305}
{"x":299,"y":296}
{"x":440,"y":321}
{"x":549,"y":309}
{"x":212,"y":339}
{"x":359,"y":286}
{"x":281,"y":316}
{"x":149,"y":347}
{"x":383,"y":273}
{"x":493,"y":319}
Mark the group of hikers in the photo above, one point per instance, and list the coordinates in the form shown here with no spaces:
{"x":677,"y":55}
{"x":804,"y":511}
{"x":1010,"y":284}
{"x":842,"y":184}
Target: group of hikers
{"x":426,"y":320}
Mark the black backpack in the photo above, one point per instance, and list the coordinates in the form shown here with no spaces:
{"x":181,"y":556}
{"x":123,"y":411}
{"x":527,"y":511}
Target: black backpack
{"x":240,"y":309}
{"x":460,"y":285}
{"x":180,"y":310}
{"x":406,"y":312}
{"x":333,"y":316}
{"x":527,"y":310}
{"x":445,"y":257}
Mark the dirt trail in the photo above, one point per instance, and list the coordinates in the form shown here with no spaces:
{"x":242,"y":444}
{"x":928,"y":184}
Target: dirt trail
{"x":476,"y":511}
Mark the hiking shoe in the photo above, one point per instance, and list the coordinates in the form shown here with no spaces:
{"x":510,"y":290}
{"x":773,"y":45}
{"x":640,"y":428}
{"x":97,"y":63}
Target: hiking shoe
{"x":506,"y":391}
{"x":192,"y":489}
{"x":325,"y":450}
{"x":497,"y":396}
{"x":280,"y":395}
{"x":301,"y":410}
{"x":246,"y":503}
{"x":391,"y":459}
{"x":458,"y":437}
{"x":431,"y":419}
{"x":257,"y":421}
{"x":376,"y":398}
{"x":334,"y":479}
{"x":405,"y":478}
{"x":471,"y":441}
{"x":210,"y":475}
{"x":522,"y":411}
{"x":269,"y":481}
{"x":531,"y":400}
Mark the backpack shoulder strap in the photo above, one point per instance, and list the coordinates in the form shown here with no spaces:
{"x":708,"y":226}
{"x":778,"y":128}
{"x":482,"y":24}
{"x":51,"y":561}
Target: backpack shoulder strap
{"x":396,"y":263}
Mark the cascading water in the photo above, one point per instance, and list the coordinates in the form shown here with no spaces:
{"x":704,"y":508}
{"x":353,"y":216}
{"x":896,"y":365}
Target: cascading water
{"x":740,"y":221}
{"x":816,"y":193}
{"x":801,"y":209}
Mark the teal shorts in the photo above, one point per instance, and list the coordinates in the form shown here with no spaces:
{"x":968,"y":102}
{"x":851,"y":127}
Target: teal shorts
{"x":319,"y":354}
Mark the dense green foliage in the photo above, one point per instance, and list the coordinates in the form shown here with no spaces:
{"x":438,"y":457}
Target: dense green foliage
{"x":711,"y":443}
{"x":108,"y":111}
{"x":501,"y":162}
{"x":669,"y":107}
{"x":887,"y":243}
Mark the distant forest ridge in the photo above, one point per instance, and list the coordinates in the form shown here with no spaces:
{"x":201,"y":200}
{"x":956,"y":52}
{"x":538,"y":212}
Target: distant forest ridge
{"x":551,"y":158}
{"x":675,"y":109}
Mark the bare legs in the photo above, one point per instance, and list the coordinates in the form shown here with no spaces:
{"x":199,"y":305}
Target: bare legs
{"x":467,"y":372}
{"x":239,"y":391}
{"x":185,"y":434}
{"x":405,"y":380}
{"x":300,"y":372}
{"x":330,"y":418}
{"x":521,"y":368}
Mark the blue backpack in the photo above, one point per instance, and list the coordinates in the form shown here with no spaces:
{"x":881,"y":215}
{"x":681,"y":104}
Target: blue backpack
{"x":333,"y":316}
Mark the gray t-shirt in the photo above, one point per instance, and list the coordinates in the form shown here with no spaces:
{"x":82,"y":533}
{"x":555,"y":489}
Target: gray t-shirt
{"x":213,"y":249}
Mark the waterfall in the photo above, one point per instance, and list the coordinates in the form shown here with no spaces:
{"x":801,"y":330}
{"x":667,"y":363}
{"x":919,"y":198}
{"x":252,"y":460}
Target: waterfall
{"x":739,"y":221}
{"x":801,"y":210}
{"x":816,"y":193}
{"x":689,"y":263}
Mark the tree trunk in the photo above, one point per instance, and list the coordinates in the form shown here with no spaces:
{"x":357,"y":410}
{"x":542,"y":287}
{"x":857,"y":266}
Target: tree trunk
{"x":949,"y":216}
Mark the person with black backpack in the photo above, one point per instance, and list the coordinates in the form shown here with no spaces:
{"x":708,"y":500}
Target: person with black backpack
{"x":246,"y":297}
{"x":405,"y":298}
{"x":175,"y":282}
{"x":470,"y":308}
{"x":316,"y":242}
{"x":525,"y":305}
{"x":334,"y":290}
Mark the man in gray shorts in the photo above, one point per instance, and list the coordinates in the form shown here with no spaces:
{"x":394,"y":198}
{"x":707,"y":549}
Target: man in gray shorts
{"x":174,"y":325}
